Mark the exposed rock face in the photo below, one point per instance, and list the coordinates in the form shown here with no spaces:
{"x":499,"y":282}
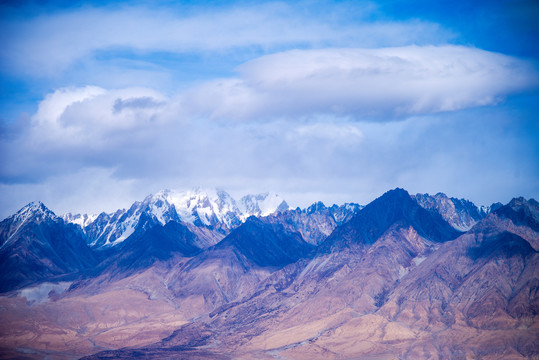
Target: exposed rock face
{"x":459,"y":213}
{"x":392,"y":280}
{"x":521,"y":212}
{"x":266,"y":245}
{"x":316,"y":222}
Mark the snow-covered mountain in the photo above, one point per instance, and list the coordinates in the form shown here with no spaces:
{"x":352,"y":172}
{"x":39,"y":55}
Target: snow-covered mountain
{"x":210,"y":208}
{"x":34,"y":212}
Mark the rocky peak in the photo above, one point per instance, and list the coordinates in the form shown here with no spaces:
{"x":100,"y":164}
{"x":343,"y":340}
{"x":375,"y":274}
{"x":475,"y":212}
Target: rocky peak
{"x":395,"y":207}
{"x":36,"y":210}
{"x":460,"y":213}
{"x":266,"y":244}
{"x":316,"y":207}
{"x":33,"y":213}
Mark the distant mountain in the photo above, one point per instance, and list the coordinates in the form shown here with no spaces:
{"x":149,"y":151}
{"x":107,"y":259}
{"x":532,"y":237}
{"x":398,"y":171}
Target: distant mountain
{"x":213,"y":209}
{"x":38,"y":245}
{"x":82,"y":220}
{"x":394,"y":207}
{"x":266,"y":244}
{"x":316,"y":222}
{"x":521,"y":212}
{"x":150,"y":231}
{"x":459,"y":213}
{"x":261,"y":205}
{"x":149,"y":245}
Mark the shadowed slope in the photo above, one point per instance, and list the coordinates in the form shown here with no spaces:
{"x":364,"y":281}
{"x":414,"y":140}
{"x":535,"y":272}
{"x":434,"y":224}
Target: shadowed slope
{"x":234,"y":268}
{"x":266,"y":245}
{"x":38,"y":245}
{"x":394,"y":207}
{"x":158,"y":243}
{"x":521,"y":212}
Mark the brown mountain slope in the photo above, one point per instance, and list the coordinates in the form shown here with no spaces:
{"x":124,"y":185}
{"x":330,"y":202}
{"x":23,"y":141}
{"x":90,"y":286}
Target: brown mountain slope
{"x":394,"y":282}
{"x":404,"y":296}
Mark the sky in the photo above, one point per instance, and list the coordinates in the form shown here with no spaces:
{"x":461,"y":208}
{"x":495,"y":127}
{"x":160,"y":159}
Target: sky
{"x":103,"y":103}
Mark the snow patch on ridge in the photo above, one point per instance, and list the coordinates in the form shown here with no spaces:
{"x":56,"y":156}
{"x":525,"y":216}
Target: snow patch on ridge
{"x":82,"y":220}
{"x":403,"y":272}
{"x":128,"y":230}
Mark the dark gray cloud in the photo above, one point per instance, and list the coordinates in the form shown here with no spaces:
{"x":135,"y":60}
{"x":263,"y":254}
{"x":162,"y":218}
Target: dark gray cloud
{"x":143,"y":102}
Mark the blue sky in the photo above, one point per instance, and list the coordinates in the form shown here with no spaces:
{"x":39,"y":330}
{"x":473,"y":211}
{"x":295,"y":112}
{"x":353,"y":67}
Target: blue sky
{"x":103,"y":103}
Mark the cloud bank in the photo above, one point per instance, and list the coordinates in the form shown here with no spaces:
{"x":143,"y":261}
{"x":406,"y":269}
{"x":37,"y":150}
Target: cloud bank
{"x":364,"y":83}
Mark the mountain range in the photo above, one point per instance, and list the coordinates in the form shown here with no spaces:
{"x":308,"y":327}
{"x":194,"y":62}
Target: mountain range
{"x":199,"y":275}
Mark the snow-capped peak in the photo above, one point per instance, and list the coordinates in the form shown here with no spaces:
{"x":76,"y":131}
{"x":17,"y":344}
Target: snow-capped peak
{"x":200,"y":206}
{"x":213,"y":208}
{"x":35,"y":212}
{"x":159,"y":207}
{"x":33,"y":209}
{"x":82,"y":220}
{"x":261,"y":205}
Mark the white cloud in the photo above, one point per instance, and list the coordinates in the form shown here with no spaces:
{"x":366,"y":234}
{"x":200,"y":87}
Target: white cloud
{"x":88,"y":189}
{"x":329,"y":130}
{"x":262,"y":119}
{"x":55,"y":104}
{"x":53,"y":42}
{"x":365,"y":83}
{"x":95,"y":110}
{"x":76,"y":128}
{"x":484,"y":158}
